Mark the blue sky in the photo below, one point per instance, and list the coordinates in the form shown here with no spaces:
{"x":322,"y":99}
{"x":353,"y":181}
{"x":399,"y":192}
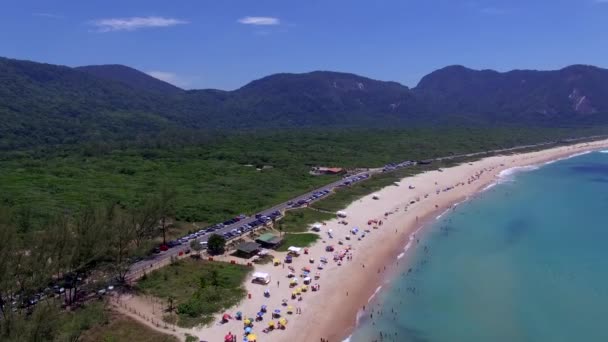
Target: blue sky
{"x":226,"y":43}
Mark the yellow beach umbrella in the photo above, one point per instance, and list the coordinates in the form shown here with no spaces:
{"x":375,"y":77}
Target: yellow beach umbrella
{"x":251,"y":337}
{"x":271,"y":324}
{"x":283,"y":321}
{"x":290,"y":308}
{"x":247,"y":321}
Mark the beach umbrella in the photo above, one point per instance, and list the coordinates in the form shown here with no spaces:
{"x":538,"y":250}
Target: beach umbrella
{"x":247,"y":321}
{"x":260,"y":314}
{"x":290,"y":309}
{"x":228,"y":337}
{"x":251,"y":337}
{"x":247,"y":330}
{"x":277,"y":311}
{"x":283,"y":321}
{"x":263,"y":308}
{"x":271,"y":324}
{"x":226,"y":317}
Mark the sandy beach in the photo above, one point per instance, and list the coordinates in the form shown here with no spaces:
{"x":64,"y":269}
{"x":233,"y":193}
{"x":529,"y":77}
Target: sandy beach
{"x":346,"y":287}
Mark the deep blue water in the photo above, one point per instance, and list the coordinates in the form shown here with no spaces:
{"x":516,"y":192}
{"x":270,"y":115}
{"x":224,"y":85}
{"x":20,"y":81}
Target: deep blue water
{"x":526,"y":260}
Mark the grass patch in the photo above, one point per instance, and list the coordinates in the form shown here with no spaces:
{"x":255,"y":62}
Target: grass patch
{"x":122,"y":328}
{"x":198,"y":289}
{"x":299,"y":220}
{"x":297,"y":240}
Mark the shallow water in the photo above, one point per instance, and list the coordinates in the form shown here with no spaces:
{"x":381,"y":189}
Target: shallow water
{"x":526,"y":260}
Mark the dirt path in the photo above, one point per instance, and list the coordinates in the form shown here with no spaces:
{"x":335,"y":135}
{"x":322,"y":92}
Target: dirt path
{"x":147,"y":313}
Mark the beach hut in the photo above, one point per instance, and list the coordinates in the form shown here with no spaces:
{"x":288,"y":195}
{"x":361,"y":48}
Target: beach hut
{"x":261,"y":278}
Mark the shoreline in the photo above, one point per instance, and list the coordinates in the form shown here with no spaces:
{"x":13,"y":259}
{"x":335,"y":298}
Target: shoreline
{"x":405,"y":209}
{"x":400,"y":250}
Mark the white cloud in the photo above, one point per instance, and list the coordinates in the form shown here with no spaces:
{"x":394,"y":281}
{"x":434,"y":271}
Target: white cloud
{"x":134,"y":23}
{"x":259,"y":21}
{"x":169,"y":77}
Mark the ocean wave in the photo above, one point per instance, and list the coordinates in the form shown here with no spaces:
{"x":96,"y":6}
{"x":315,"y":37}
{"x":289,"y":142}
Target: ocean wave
{"x":374,"y":294}
{"x":604,"y":151}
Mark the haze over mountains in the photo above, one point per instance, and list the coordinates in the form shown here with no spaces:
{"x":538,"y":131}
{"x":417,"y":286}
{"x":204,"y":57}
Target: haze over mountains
{"x":51,"y":104}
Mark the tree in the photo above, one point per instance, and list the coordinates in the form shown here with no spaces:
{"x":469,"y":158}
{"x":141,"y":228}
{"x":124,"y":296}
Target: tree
{"x":165,"y":204}
{"x":216,"y":244}
{"x":196,"y":246}
{"x":145,"y":221}
{"x":121,"y":241}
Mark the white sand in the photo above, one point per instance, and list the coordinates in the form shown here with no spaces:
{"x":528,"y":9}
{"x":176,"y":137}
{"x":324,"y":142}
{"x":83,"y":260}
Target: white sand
{"x":331,"y":312}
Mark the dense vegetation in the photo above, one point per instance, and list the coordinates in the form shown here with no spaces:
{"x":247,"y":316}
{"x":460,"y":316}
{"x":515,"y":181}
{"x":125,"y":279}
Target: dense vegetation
{"x":196,"y":289}
{"x":67,"y":264}
{"x":42,"y":104}
{"x":221,"y":179}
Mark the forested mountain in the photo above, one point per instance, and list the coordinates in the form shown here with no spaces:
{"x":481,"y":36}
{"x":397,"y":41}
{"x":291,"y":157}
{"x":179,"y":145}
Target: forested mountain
{"x":575,"y":94}
{"x":43,"y":104}
{"x":134,"y":78}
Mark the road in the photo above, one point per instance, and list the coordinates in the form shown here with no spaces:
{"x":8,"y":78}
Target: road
{"x":138,"y":268}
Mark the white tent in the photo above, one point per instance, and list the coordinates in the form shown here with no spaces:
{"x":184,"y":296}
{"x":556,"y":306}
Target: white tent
{"x":317,"y":227}
{"x":295,"y":250}
{"x":341,"y":213}
{"x":261,"y":278}
{"x":375,"y":196}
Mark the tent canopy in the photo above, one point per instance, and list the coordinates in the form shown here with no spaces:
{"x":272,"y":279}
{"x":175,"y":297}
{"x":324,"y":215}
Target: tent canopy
{"x":294,"y":249}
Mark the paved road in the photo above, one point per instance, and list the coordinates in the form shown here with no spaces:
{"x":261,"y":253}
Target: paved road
{"x":137,"y":268}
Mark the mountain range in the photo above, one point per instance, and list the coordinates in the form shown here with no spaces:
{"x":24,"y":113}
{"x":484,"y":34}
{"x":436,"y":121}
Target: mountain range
{"x":50,"y":104}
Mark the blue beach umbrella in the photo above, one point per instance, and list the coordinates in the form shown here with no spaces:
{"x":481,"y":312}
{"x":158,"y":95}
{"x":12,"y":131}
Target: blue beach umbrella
{"x":247,"y":330}
{"x":260,"y":314}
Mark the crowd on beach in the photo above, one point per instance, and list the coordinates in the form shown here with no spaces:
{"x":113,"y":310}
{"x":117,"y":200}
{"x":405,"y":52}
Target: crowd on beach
{"x":300,"y":270}
{"x":342,"y":246}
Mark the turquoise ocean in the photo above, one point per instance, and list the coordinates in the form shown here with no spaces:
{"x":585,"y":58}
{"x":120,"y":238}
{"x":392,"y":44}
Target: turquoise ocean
{"x":524,"y":260}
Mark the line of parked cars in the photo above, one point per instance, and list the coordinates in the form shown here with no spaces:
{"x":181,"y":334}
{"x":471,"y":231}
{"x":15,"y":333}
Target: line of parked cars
{"x":316,"y":195}
{"x":394,"y":166}
{"x":259,"y":221}
{"x":245,"y":228}
{"x":355,"y":179}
